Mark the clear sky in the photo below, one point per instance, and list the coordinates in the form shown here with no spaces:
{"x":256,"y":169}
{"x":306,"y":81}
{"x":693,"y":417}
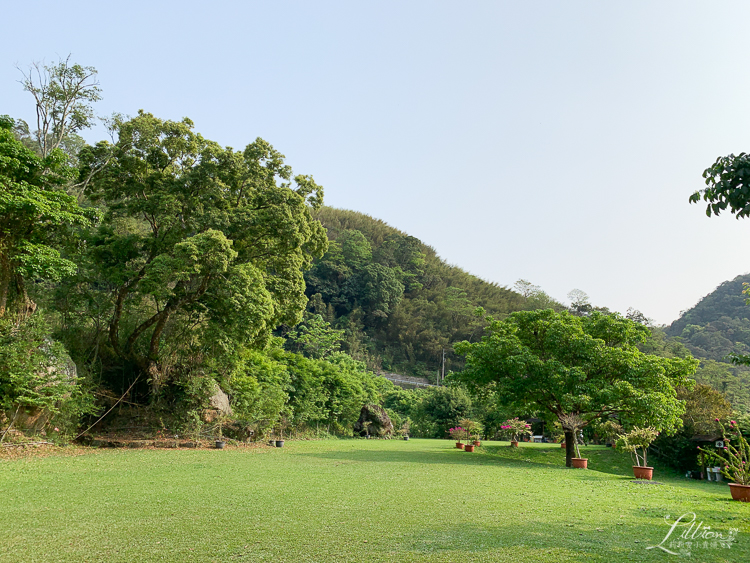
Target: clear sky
{"x":552,"y":141}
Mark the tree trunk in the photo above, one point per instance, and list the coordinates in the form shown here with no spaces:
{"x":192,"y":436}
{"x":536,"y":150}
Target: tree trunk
{"x":570,"y":447}
{"x":4,"y":284}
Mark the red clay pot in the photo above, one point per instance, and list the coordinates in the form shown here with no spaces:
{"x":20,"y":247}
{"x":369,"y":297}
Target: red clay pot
{"x":740,"y":492}
{"x":641,"y":472}
{"x":459,"y":445}
{"x":580,"y":462}
{"x":469,"y":448}
{"x":477,"y":443}
{"x":513,"y":444}
{"x":562,"y":445}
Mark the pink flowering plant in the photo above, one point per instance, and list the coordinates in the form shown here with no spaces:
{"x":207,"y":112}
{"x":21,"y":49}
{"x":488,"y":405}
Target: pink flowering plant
{"x":734,"y":460}
{"x":516,"y":428}
{"x":636,"y":442}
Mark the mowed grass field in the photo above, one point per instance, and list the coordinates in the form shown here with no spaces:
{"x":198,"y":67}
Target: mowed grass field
{"x":354,"y":500}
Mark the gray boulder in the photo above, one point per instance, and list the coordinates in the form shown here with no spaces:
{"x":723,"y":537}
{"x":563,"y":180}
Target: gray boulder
{"x":375,"y":420}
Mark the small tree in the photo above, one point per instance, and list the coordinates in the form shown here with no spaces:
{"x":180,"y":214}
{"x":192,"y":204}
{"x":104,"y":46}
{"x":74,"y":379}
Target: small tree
{"x":516,"y":428}
{"x":457,"y":433}
{"x":471,"y":428}
{"x":637,"y":442}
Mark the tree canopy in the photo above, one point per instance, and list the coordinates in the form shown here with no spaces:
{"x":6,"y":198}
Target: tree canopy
{"x":196,"y":235}
{"x":35,"y":216}
{"x":560,"y":364}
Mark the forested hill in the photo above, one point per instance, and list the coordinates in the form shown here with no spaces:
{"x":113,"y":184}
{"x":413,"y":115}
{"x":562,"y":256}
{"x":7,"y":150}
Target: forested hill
{"x":719,"y":324}
{"x":398,"y":302}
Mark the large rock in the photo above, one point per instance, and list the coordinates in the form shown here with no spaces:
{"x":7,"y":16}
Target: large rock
{"x":218,"y":404}
{"x":380,"y":423}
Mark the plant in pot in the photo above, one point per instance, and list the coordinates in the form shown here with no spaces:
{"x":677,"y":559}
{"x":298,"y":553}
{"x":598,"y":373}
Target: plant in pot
{"x":636,"y":442}
{"x":220,"y":422}
{"x":405,"y":428}
{"x":457,"y":434}
{"x":282,"y":425}
{"x":472,"y":431}
{"x":734,"y":461}
{"x":516,"y":429}
{"x":573,"y":423}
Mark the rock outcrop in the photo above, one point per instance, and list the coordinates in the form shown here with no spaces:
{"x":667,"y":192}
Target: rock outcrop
{"x":374,"y":420}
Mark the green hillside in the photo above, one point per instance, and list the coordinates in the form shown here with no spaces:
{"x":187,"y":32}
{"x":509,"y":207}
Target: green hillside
{"x":399,"y":303}
{"x":717,"y":326}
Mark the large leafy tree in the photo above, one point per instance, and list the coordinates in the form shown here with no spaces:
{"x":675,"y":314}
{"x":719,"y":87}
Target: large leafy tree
{"x":560,"y":365}
{"x":202,"y":248}
{"x":35,"y":216}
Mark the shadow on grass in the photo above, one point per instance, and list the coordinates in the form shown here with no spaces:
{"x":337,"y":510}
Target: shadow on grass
{"x":601,"y":461}
{"x":572,"y":541}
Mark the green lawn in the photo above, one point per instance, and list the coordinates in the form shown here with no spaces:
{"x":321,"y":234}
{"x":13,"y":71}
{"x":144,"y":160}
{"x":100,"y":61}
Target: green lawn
{"x":352,"y":500}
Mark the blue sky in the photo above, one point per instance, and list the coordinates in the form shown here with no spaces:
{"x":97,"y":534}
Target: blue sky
{"x":552,"y":141}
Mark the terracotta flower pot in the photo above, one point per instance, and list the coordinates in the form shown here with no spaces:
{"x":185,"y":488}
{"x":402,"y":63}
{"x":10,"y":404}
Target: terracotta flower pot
{"x":459,"y":445}
{"x":469,"y":448}
{"x":562,"y":445}
{"x":740,"y":492}
{"x":641,"y":472}
{"x":477,"y":443}
{"x":513,"y":444}
{"x":580,"y":462}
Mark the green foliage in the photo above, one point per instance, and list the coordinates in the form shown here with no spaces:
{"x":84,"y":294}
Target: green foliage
{"x":726,"y":186}
{"x":636,"y":442}
{"x":202,"y":247}
{"x":314,"y":337}
{"x":36,"y":373}
{"x":35,"y":215}
{"x":588,"y":366}
{"x":399,"y":304}
{"x":516,"y":428}
{"x":703,"y":405}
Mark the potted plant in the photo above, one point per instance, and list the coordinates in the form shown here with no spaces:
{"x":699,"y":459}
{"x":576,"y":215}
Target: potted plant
{"x":405,"y":429}
{"x":517,"y":429}
{"x":734,"y":461}
{"x":220,"y":442}
{"x":637,"y":442}
{"x":282,"y":425}
{"x":457,"y":434}
{"x":366,"y":425}
{"x":573,"y":423}
{"x":472,"y":430}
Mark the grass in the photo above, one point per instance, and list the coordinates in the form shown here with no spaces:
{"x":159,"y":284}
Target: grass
{"x":352,"y":500}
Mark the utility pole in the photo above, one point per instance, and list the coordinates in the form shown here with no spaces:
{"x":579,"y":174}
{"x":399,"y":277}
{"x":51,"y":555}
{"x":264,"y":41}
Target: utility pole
{"x":443,"y":377}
